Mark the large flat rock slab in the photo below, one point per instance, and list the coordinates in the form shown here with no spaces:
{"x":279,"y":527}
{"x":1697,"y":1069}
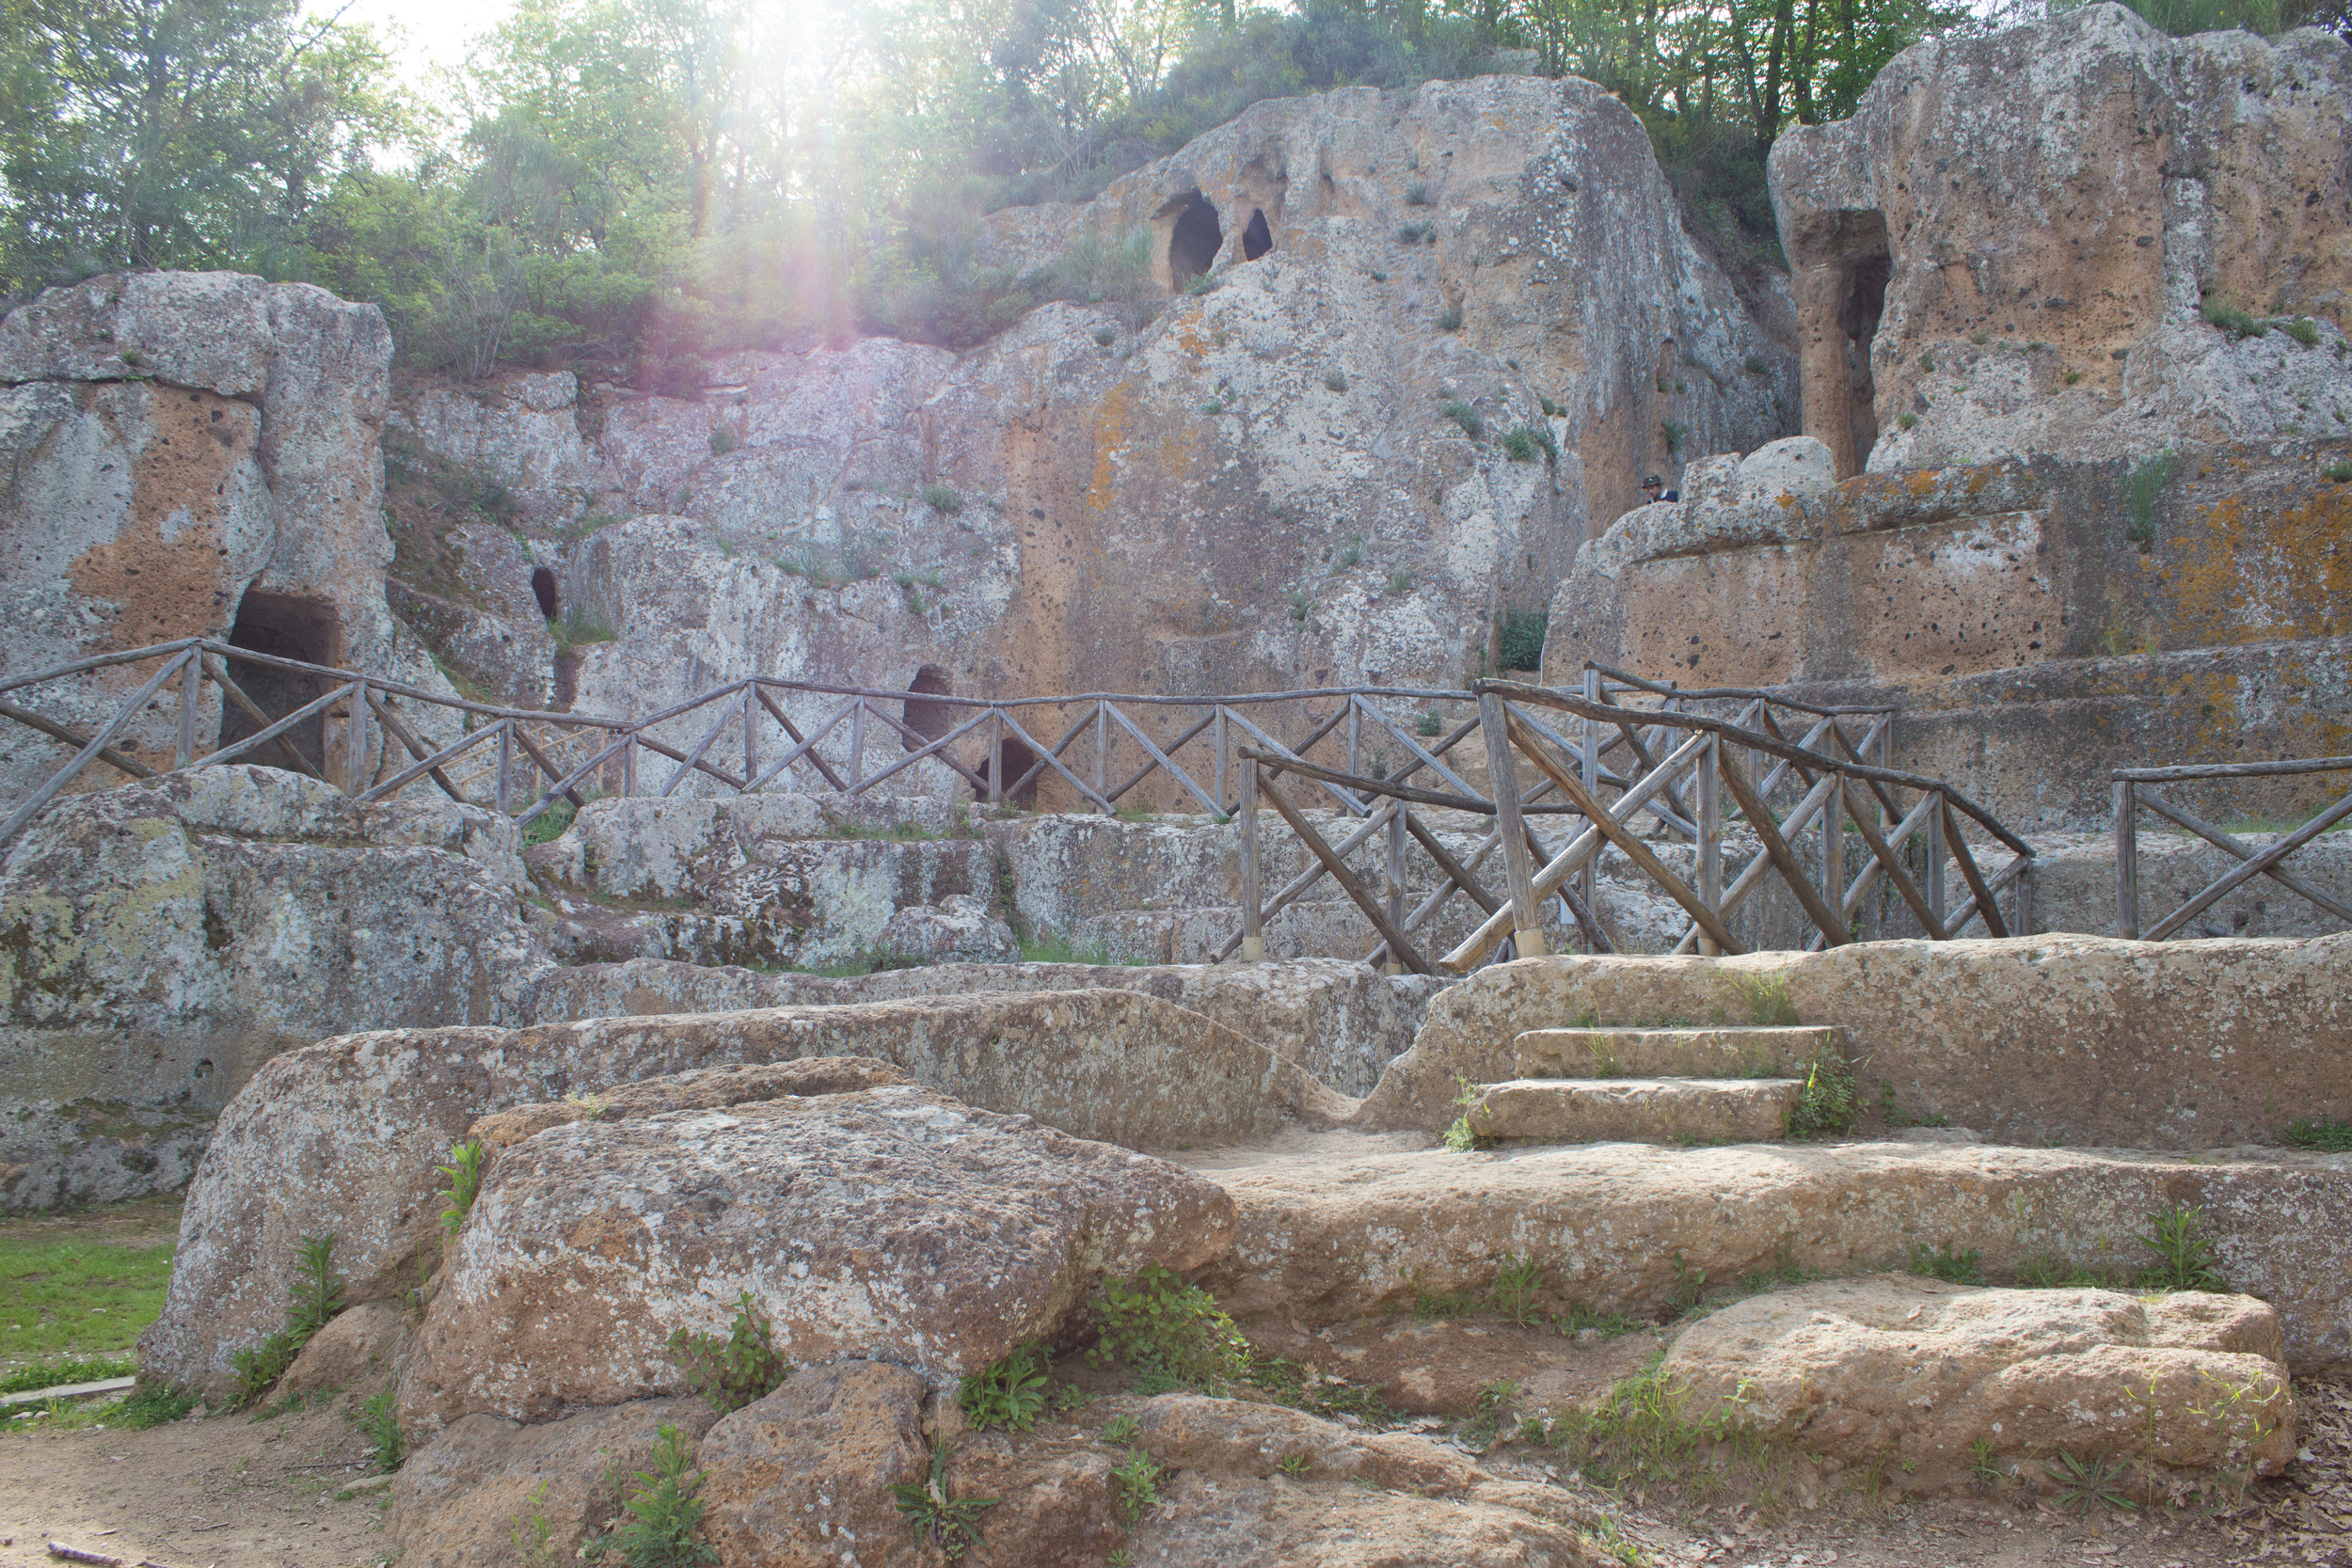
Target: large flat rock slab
{"x":1669,"y":1053}
{"x":1629,"y":1227}
{"x":889,"y":1223}
{"x":344,"y":1135}
{"x":1636,"y":1110}
{"x":2085,"y":1042}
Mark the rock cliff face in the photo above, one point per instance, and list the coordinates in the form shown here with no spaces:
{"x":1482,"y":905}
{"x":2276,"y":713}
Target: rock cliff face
{"x":191,"y":453}
{"x":2049,"y":240}
{"x":1439,"y":332}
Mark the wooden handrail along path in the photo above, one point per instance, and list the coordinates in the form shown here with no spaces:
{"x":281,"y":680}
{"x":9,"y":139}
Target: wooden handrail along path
{"x":2135,"y":791}
{"x":1621,"y":749}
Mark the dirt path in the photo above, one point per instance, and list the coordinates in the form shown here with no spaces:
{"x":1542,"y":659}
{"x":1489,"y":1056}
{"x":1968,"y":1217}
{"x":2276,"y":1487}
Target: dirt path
{"x":271,"y":1493}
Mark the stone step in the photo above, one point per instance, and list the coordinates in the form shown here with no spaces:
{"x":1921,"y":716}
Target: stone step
{"x":1690,"y":1053}
{"x":1636,"y":1110}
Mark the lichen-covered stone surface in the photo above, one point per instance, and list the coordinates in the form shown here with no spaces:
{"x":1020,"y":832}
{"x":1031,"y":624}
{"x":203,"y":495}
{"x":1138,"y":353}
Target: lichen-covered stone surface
{"x":2052,"y":1040}
{"x":893,"y":1223}
{"x":165,"y":939}
{"x":1919,"y":1373}
{"x":344,"y":1137}
{"x":2096,"y":188}
{"x":1627,"y":1227}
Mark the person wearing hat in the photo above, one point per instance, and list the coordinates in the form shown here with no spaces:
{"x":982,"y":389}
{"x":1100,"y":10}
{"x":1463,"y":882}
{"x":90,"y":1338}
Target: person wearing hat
{"x":1655,"y":488}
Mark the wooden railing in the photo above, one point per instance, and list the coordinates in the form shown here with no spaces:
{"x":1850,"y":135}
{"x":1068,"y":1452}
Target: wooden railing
{"x":1677,"y":765}
{"x":2135,"y":791}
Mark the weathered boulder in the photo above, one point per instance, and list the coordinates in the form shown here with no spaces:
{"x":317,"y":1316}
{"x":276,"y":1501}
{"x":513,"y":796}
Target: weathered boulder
{"x":892,"y":1223}
{"x":168,"y":938}
{"x":486,"y":1484}
{"x":957,"y":929}
{"x":519,"y":430}
{"x":704,"y":1089}
{"x":359,"y":1349}
{"x":2101,"y":188}
{"x":2052,"y":1040}
{"x":1637,"y":1229}
{"x":1919,"y":1373}
{"x":803,"y":1477}
{"x":344,"y":1135}
{"x":1342,"y":1021}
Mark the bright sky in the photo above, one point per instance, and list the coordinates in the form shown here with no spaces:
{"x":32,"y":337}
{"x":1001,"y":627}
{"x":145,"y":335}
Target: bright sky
{"x":423,"y":33}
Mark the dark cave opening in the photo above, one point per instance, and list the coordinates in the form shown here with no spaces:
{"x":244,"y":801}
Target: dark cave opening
{"x":928,"y":719}
{"x":1194,"y":240}
{"x":542,"y":589}
{"x":283,"y":626}
{"x":1257,"y":239}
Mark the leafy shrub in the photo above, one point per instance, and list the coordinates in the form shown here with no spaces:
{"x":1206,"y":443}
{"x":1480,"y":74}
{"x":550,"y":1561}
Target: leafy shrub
{"x":1104,"y":337}
{"x":1450,"y":319}
{"x":2301,"y":329}
{"x":665,"y":1516}
{"x":2187,"y":1258}
{"x":377,"y":1421}
{"x":1429,"y":724}
{"x":1155,"y":1321}
{"x":942,"y":498}
{"x":1010,"y":1393}
{"x":2143,"y":487}
{"x":151,"y":1404}
{"x":1134,"y":1486}
{"x":1518,"y":1281}
{"x":1460,"y":1136}
{"x":1202,"y":283}
{"x":1754,"y":364}
{"x":1400,"y":582}
{"x":2224,"y":312}
{"x":1417,"y":195}
{"x":1516,"y":447}
{"x":1523,"y":639}
{"x":723,"y":440}
{"x":1826,"y":1107}
{"x":463,"y":1173}
{"x":318,"y":1295}
{"x":1413,"y":233}
{"x":1675,"y":434}
{"x":733,"y":1371}
{"x":950,"y":1523}
{"x":2341,"y":472}
{"x":1464,"y":415}
{"x":1335,"y":382}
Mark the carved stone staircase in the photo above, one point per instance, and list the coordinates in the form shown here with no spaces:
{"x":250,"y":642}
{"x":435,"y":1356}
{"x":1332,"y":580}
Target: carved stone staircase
{"x":1688,"y":1086}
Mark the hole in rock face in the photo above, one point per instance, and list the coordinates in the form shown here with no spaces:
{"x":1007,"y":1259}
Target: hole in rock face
{"x":1858,"y":317}
{"x":1194,"y":240}
{"x":928,"y":719}
{"x":283,"y":626}
{"x":542,"y":589}
{"x":1016,"y":760}
{"x":1257,"y":239}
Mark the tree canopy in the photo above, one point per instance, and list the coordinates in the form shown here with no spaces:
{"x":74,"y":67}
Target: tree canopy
{"x":629,"y":184}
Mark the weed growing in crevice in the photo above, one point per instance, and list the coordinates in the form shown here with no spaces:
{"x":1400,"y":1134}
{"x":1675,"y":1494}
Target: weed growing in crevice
{"x":1173,"y":1333}
{"x":1486,"y":1421}
{"x":464,"y":1174}
{"x":1136,"y":1486}
{"x":1947,"y":1263}
{"x":1317,"y":1393}
{"x":151,"y":1404}
{"x":1518,"y":1282}
{"x":2321,"y":1133}
{"x":664,"y":1523}
{"x":732,"y":1371}
{"x":1464,"y":415}
{"x":1825,"y":1105}
{"x":318,"y":1295}
{"x":948,"y":1521}
{"x":942,"y":498}
{"x":1009,"y":1393}
{"x":2187,"y":1258}
{"x":1766,"y":998}
{"x":380,"y":1426}
{"x":2084,"y":1482}
{"x":1461,"y":1136}
{"x":1638,"y":1428}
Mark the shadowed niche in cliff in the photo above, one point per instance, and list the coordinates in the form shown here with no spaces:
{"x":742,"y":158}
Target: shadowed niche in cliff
{"x":1865,"y":300}
{"x":542,"y":589}
{"x":1842,"y":267}
{"x":1257,"y":239}
{"x":1016,"y":759}
{"x":283,"y":626}
{"x":1193,"y":237}
{"x":929,"y":720}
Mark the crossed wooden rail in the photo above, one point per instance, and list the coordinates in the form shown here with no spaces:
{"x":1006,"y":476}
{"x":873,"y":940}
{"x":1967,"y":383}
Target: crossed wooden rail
{"x":1750,"y":757}
{"x":2135,"y":791}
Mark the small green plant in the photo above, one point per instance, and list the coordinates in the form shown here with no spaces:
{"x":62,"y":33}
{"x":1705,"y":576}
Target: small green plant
{"x":1689,"y":1288}
{"x":2226,"y":313}
{"x":1674,"y":435}
{"x":1417,"y":195}
{"x":1754,"y":364}
{"x":1156,"y":1322}
{"x":2341,"y":472}
{"x":948,"y":1521}
{"x":1518,"y":1281}
{"x":1493,"y":1410}
{"x":1121,"y":1556}
{"x":665,"y":1516}
{"x":1201,"y":284}
{"x":318,"y":1295}
{"x":1766,"y":997}
{"x":1400,"y":582}
{"x":1104,"y":337}
{"x":1515,"y":445}
{"x":1413,"y":233}
{"x":1010,"y":1393}
{"x":1378,"y":277}
{"x":1134,"y":1486}
{"x":533,"y":1534}
{"x":2073,"y":376}
{"x":1450,"y":319}
{"x":1983,"y":1463}
{"x":2301,"y":329}
{"x":1294,"y":1464}
{"x":1826,"y":1107}
{"x":464,"y":1174}
{"x":1926,"y":362}
{"x":723,"y":440}
{"x":1947,"y":1263}
{"x":2187,"y":1258}
{"x":1335,"y":382}
{"x":1212,"y":407}
{"x":2142,"y":489}
{"x":1300,"y":605}
{"x":1120,"y":1429}
{"x":942,"y":498}
{"x":732,"y":1371}
{"x":1551,"y":410}
{"x":1427,"y":724}
{"x":1464,"y":415}
{"x":2325,"y":1133}
{"x":151,"y":1404}
{"x":377,"y":1423}
{"x":1907,"y":421}
{"x":1523,"y":639}
{"x":1461,"y":1137}
{"x":2084,"y":1481}
{"x":1351,"y":554}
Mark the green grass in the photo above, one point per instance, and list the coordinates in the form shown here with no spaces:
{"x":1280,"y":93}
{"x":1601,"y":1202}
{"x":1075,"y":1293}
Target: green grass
{"x":1061,"y":948}
{"x":2321,"y":1133}
{"x":66,"y":1298}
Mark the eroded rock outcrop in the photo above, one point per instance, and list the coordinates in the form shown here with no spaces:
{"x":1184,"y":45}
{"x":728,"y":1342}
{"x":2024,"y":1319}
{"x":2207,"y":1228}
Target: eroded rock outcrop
{"x":2013,"y":245}
{"x":166,"y":939}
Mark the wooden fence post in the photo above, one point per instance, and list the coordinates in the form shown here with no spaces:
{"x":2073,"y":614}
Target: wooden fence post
{"x":1502,"y":778}
{"x":1710,"y":826}
{"x":1396,"y":964}
{"x":995,"y":752}
{"x":1252,"y":933}
{"x":1586,"y":885}
{"x":751,"y":732}
{"x":1834,"y":855}
{"x":857,"y":746}
{"x":356,"y":743}
{"x":629,"y":767}
{"x":506,"y":762}
{"x":1224,"y":802}
{"x":191,"y":688}
{"x":1935,"y":858}
{"x":2126,"y":861}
